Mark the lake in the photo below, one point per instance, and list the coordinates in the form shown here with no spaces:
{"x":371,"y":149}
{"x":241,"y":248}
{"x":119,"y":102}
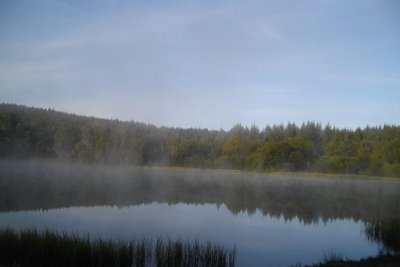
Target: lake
{"x":274,"y":220}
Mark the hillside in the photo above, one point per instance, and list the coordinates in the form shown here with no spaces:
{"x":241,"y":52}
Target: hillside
{"x":27,"y":132}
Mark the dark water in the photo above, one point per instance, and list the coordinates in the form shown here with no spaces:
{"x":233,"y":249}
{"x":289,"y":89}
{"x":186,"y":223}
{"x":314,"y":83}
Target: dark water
{"x":273,"y":220}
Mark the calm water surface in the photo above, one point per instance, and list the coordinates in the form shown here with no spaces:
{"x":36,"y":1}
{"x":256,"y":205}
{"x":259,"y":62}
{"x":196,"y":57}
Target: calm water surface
{"x":261,"y":240}
{"x":273,"y":221}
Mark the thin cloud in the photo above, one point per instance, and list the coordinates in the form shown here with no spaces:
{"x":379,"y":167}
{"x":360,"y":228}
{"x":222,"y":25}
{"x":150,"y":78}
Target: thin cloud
{"x":209,"y":64}
{"x":370,"y":79}
{"x":261,"y":28}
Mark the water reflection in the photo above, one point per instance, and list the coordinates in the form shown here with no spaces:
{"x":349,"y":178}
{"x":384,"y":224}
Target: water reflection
{"x":385,"y":233}
{"x":260,"y":239}
{"x":44,"y":186}
{"x":274,"y":220}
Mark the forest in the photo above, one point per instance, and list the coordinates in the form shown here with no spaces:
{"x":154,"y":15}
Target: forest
{"x":28,"y":132}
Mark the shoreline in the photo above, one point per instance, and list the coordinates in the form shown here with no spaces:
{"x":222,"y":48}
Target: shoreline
{"x":267,"y":174}
{"x":380,"y":260}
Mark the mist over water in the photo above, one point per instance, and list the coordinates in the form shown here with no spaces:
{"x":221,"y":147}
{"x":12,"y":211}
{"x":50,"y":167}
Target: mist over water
{"x":273,"y":219}
{"x":108,"y":106}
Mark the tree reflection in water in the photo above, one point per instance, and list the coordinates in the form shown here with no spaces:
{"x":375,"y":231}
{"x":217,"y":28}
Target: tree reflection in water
{"x":43,"y":185}
{"x":385,"y":233}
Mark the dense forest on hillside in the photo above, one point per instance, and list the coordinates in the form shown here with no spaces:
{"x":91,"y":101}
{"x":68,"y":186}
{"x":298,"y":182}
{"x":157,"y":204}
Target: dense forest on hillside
{"x":27,"y":132}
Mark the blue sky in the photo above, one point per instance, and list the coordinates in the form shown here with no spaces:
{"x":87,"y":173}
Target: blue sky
{"x":205,"y":63}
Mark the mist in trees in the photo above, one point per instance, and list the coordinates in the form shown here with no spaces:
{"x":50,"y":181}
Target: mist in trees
{"x":27,"y":132}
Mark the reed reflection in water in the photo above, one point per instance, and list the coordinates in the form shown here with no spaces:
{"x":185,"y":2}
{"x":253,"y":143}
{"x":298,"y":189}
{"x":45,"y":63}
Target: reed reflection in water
{"x":264,"y":215}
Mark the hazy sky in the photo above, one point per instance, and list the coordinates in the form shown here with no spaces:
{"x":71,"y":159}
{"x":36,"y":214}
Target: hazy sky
{"x":205,"y":63}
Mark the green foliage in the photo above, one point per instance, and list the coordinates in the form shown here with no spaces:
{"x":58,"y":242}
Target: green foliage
{"x":31,"y":132}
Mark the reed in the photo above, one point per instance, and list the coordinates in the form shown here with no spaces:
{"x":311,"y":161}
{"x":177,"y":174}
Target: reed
{"x":31,"y":247}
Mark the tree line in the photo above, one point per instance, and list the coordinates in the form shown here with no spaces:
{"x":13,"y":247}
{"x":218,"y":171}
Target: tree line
{"x":27,"y":132}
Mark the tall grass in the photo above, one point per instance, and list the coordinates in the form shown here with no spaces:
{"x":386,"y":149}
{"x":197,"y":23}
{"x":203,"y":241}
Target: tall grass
{"x":179,"y":253}
{"x":332,"y":256}
{"x":30,"y":247}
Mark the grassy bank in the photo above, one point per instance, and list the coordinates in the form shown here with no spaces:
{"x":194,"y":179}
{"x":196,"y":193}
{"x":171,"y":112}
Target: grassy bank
{"x":338,"y":260}
{"x":31,"y":247}
{"x":381,"y":261}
